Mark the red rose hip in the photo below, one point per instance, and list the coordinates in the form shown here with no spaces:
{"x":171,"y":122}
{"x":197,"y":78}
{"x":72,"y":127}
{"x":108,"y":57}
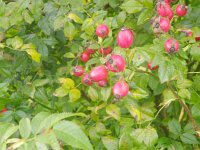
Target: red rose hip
{"x":105,"y":51}
{"x":149,"y":65}
{"x":99,"y":73}
{"x":120,"y":89}
{"x":78,"y":71}
{"x":102,"y":30}
{"x":86,"y":80}
{"x":164,"y":24}
{"x":125,"y":38}
{"x":85,"y":57}
{"x":90,"y":51}
{"x":171,"y":45}
{"x":3,"y":110}
{"x":103,"y":83}
{"x":116,"y":63}
{"x":163,"y":9}
{"x":181,"y":10}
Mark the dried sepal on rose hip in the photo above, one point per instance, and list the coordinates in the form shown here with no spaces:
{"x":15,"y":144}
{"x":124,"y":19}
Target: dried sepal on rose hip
{"x":105,"y":51}
{"x":86,"y":80}
{"x":120,"y":89}
{"x":102,"y":31}
{"x":171,"y":45}
{"x":151,"y":67}
{"x":116,"y":63}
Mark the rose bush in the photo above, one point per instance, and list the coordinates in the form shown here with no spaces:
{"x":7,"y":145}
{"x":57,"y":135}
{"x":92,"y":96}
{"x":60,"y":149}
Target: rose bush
{"x":102,"y":74}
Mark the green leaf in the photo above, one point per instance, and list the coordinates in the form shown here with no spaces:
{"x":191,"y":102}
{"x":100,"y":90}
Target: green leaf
{"x":144,"y":16}
{"x":72,"y":135}
{"x":165,"y":72}
{"x":67,"y":83}
{"x":25,"y":128}
{"x":34,"y":55}
{"x":27,"y":17}
{"x":147,"y":136}
{"x":174,"y":127}
{"x":134,"y":112}
{"x":121,"y":17}
{"x":125,"y":142}
{"x":75,"y":18}
{"x":183,"y":83}
{"x":195,"y":52}
{"x":55,"y":118}
{"x":40,"y":82}
{"x":6,"y":131}
{"x":69,"y":55}
{"x":184,"y":93}
{"x":105,"y":93}
{"x":110,"y":143}
{"x":132,"y":6}
{"x":113,"y":111}
{"x":74,"y":94}
{"x":69,"y":30}
{"x":188,"y":138}
{"x":92,"y":93}
{"x":59,"y":22}
{"x":107,"y":42}
{"x":88,"y":26}
{"x":16,"y":42}
{"x":61,"y":92}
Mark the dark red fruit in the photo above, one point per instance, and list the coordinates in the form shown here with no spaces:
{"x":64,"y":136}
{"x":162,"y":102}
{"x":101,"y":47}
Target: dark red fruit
{"x":90,"y":51}
{"x":149,"y":65}
{"x":105,"y":51}
{"x":170,"y":15}
{"x":120,"y":89}
{"x":86,"y":80}
{"x":197,"y":38}
{"x":171,"y":45}
{"x":102,"y":30}
{"x":181,"y":10}
{"x":3,"y":110}
{"x":116,"y":63}
{"x":99,"y":73}
{"x":163,"y":9}
{"x":85,"y":57}
{"x":164,"y":24}
{"x":78,"y":71}
{"x":188,"y":32}
{"x":103,"y":83}
{"x":125,"y":38}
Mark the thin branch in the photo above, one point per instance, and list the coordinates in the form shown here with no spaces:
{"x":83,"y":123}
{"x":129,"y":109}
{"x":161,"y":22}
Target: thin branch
{"x":187,"y":110}
{"x":49,"y":108}
{"x":141,"y":71}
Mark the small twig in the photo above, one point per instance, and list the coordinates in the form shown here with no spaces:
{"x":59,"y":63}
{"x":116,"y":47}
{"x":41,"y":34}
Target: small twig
{"x":181,"y":115}
{"x":194,"y":125}
{"x":141,"y":71}
{"x":49,"y":108}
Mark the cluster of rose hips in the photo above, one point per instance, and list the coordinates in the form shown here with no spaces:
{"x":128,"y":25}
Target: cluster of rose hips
{"x":114,"y":62}
{"x":161,"y":24}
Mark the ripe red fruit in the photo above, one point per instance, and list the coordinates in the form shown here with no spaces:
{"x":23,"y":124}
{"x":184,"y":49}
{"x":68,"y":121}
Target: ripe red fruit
{"x":120,"y":89}
{"x":170,"y":14}
{"x":102,"y":30}
{"x":86,"y":80}
{"x":197,"y":38}
{"x":78,"y":71}
{"x":125,"y":38}
{"x":168,"y":1}
{"x":85,"y":57}
{"x":164,"y":24}
{"x":99,"y":73}
{"x":90,"y":51}
{"x":116,"y":63}
{"x":105,"y":51}
{"x":3,"y":110}
{"x":181,"y":10}
{"x":163,"y":9}
{"x":171,"y":45}
{"x":149,"y":65}
{"x":103,"y":83}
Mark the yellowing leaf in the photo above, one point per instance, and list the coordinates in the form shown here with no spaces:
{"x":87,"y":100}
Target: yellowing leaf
{"x":17,"y":42}
{"x":69,"y":30}
{"x":67,"y":82}
{"x":34,"y":54}
{"x":134,"y":112}
{"x":75,"y":18}
{"x":113,"y":111}
{"x":74,"y":94}
{"x":61,"y":92}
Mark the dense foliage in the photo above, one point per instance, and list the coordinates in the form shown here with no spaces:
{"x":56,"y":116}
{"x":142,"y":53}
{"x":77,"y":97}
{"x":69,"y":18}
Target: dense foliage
{"x":45,"y":104}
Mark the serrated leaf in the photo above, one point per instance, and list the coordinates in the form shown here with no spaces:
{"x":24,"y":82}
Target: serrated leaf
{"x":134,"y":112}
{"x":25,"y":128}
{"x":107,"y":42}
{"x":147,"y":136}
{"x":7,"y":132}
{"x":165,"y":72}
{"x":184,"y":93}
{"x":113,"y":111}
{"x":174,"y":127}
{"x":72,"y":135}
{"x":132,"y":6}
{"x":69,"y":30}
{"x":110,"y":143}
{"x":188,"y":138}
{"x":195,"y":52}
{"x":27,"y":17}
{"x":59,"y":22}
{"x":69,"y":55}
{"x":92,"y":93}
{"x":34,"y":55}
{"x":144,"y":16}
{"x":17,"y":42}
{"x":75,"y":18}
{"x":121,"y":17}
{"x":68,"y":82}
{"x":105,"y":93}
{"x":74,"y":94}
